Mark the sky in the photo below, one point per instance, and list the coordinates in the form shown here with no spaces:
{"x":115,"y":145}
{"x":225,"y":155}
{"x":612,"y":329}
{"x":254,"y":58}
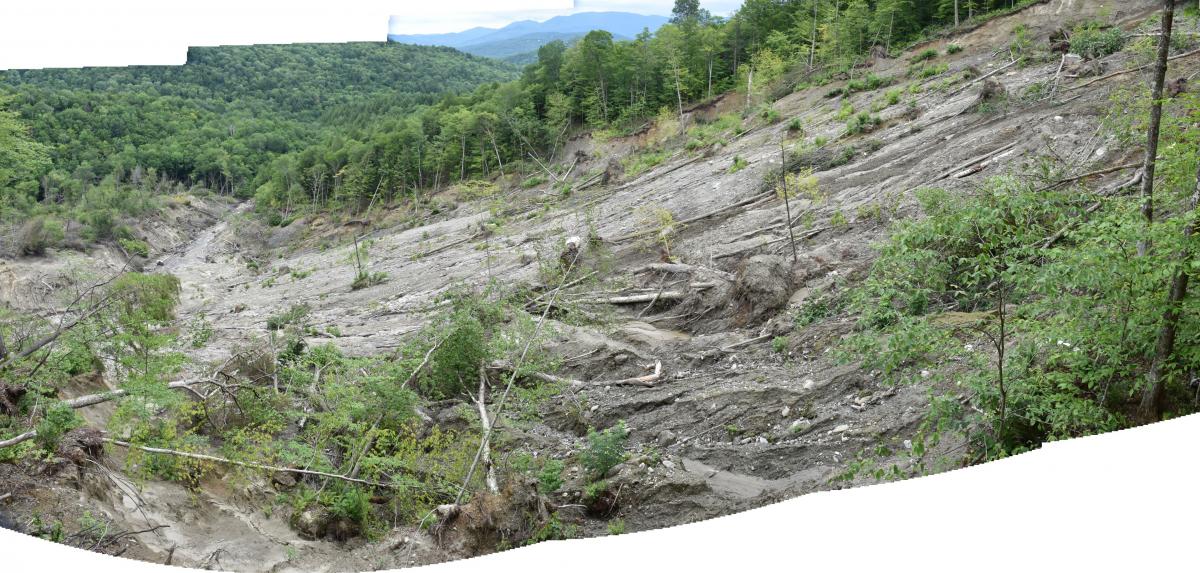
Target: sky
{"x":75,"y":33}
{"x":436,"y":20}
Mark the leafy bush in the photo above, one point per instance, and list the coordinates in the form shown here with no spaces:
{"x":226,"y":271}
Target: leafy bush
{"x":863,"y":122}
{"x":366,"y":279}
{"x":57,"y":421}
{"x":135,"y":247}
{"x":293,"y":315}
{"x":953,"y":49}
{"x":924,"y":55}
{"x":550,"y":478}
{"x":604,"y":449}
{"x":738,"y":164}
{"x":1092,"y":41}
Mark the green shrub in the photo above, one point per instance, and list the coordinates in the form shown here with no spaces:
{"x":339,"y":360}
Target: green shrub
{"x":616,"y":526}
{"x":135,"y":247}
{"x":550,"y":478}
{"x":604,"y":449}
{"x":738,"y":164}
{"x":57,"y":421}
{"x":368,"y":279}
{"x":1092,"y":41}
{"x":863,"y":122}
{"x":953,"y":49}
{"x":779,"y":344}
{"x":454,"y":366}
{"x":924,"y":55}
{"x":293,"y":315}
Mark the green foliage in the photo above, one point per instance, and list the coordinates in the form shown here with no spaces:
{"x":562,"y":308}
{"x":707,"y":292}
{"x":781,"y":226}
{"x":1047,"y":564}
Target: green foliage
{"x":294,"y":315}
{"x":863,"y":122}
{"x":616,"y":526}
{"x":135,"y":247}
{"x":550,"y":478}
{"x":738,"y":164}
{"x":1093,"y":41}
{"x":56,"y":422}
{"x":924,"y":55}
{"x":779,"y":344}
{"x":953,"y":49}
{"x":642,"y":162}
{"x":604,"y":450}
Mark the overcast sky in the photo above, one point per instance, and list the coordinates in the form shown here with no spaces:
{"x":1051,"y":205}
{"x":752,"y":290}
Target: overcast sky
{"x":74,"y":33}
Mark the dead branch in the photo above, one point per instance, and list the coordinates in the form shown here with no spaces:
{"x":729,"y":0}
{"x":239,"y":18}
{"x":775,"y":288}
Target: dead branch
{"x":449,"y":245}
{"x":983,"y":77}
{"x":647,"y":380}
{"x":1050,"y":241}
{"x":697,"y":218}
{"x":731,"y":347}
{"x":83,"y":402}
{"x":1129,"y":71}
{"x":1104,"y":171}
{"x":208,"y":458}
{"x":682,"y":269}
{"x":656,"y":296}
{"x":974,"y":161}
{"x":486,"y":422}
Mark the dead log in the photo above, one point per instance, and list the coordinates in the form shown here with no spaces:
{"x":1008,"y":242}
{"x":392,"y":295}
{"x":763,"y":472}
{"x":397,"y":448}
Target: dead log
{"x":484,"y":420}
{"x":682,"y":269}
{"x":640,"y":298}
{"x":1129,"y":71}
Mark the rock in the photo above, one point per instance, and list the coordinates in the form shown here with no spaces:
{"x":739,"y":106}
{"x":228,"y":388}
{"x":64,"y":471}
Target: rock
{"x":668,"y":464}
{"x":313,"y":522}
{"x":808,"y":384}
{"x":786,"y":410}
{"x":284,"y":480}
{"x":800,"y":425}
{"x":620,"y":359}
{"x":763,"y":440}
{"x":762,"y":287}
{"x":841,"y":428}
{"x":667,"y":438}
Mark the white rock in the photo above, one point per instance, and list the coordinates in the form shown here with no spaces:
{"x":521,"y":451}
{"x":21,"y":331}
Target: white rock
{"x":763,"y":440}
{"x":808,"y":384}
{"x":668,"y":464}
{"x":841,"y":428}
{"x":786,"y":410}
{"x":908,"y":444}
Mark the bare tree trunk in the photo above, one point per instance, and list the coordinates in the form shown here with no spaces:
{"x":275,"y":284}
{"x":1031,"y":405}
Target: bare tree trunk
{"x":497,"y":150}
{"x":812,"y":48}
{"x":786,"y":202}
{"x":956,"y":13}
{"x":710,"y":64}
{"x":1156,"y":96}
{"x":678,"y":90}
{"x":1151,"y":407}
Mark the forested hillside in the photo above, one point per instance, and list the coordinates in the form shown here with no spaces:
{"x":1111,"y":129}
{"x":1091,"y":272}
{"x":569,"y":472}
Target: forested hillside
{"x":218,"y":120}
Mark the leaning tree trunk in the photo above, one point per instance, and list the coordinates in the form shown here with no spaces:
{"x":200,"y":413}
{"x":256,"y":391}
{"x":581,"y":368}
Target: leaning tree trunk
{"x":1156,"y":97}
{"x":1151,"y":408}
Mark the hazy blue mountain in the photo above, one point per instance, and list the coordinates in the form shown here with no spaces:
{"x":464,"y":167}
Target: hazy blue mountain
{"x":515,"y":41}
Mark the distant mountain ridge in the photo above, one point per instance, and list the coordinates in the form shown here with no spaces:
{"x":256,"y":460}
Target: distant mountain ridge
{"x":516,"y":40}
